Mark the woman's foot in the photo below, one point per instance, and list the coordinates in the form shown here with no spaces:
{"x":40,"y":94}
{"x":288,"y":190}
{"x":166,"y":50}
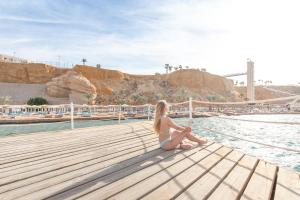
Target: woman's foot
{"x":202,"y":141}
{"x":185,"y":146}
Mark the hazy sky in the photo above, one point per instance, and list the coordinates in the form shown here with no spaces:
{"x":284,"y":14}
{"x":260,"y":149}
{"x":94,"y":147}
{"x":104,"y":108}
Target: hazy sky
{"x":140,"y":36}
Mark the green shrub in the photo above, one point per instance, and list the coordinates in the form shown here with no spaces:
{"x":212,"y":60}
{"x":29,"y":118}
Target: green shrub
{"x":37,"y":101}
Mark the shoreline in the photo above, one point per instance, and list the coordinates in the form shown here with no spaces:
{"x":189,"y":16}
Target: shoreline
{"x":268,"y":113}
{"x":53,"y":120}
{"x":31,"y":120}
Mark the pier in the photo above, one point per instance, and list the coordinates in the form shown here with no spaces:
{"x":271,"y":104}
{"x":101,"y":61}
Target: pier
{"x":124,"y":161}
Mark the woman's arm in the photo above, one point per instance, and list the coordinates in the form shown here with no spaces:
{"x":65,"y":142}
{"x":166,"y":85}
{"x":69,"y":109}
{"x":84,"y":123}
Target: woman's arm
{"x":175,"y":126}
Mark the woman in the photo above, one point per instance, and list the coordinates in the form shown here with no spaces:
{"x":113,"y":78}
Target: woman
{"x":170,"y":140}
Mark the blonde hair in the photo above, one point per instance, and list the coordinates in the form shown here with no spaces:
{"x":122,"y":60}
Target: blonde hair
{"x":159,"y":112}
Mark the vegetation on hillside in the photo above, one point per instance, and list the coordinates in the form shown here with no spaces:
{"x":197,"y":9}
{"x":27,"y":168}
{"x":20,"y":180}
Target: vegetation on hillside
{"x":37,"y":101}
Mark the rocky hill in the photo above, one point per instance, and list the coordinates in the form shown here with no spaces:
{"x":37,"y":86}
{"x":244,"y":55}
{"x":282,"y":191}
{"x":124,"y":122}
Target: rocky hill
{"x":28,"y":73}
{"x":88,"y":84}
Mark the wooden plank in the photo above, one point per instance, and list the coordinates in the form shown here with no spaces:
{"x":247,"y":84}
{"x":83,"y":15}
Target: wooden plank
{"x":120,"y":181}
{"x":83,"y":184}
{"x":206,"y":180}
{"x":33,"y":187}
{"x":84,"y":136}
{"x":72,"y":141}
{"x":37,"y":151}
{"x":261,"y":183}
{"x":132,"y":167}
{"x":27,"y":137}
{"x":234,"y":183}
{"x":54,"y":171}
{"x":85,"y":147}
{"x":67,"y":159}
{"x":134,"y":191}
{"x":9,"y":163}
{"x":288,"y":185}
{"x":170,"y":176}
{"x":17,"y":145}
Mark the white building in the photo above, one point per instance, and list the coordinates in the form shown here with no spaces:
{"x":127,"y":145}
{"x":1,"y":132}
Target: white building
{"x":12,"y":59}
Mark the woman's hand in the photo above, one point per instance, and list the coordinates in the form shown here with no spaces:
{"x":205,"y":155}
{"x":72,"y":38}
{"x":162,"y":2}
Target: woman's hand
{"x":188,"y":129}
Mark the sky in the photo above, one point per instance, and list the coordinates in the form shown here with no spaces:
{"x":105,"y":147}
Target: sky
{"x":141,"y":36}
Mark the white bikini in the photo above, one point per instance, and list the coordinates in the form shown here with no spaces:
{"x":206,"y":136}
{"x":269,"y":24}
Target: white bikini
{"x":164,"y":142}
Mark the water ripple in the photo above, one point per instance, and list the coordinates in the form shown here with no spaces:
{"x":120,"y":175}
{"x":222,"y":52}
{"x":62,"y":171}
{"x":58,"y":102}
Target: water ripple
{"x":275,"y":134}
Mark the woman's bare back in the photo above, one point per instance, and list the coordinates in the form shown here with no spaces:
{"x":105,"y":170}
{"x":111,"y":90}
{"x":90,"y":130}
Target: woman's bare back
{"x":164,"y":132}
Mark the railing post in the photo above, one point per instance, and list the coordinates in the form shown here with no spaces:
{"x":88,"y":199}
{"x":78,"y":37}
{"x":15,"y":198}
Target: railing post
{"x":72,"y":115}
{"x":190,"y":111}
{"x":149,"y":112}
{"x":120,"y":109}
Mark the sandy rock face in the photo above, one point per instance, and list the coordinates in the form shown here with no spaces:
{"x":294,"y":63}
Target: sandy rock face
{"x":103,"y":79}
{"x":71,"y":84}
{"x":198,"y":81}
{"x":28,"y":73}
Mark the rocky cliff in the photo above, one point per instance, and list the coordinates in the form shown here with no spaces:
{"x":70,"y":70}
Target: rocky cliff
{"x":198,"y":81}
{"x":104,"y":80}
{"x":111,"y":86}
{"x":72,"y":85}
{"x":28,"y":73}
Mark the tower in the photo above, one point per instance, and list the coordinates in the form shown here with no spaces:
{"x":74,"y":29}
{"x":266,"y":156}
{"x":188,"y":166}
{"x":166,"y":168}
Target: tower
{"x":250,"y":81}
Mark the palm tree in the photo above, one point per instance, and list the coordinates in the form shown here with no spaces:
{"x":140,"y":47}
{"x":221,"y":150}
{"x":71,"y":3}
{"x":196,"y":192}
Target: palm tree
{"x":83,"y":61}
{"x":259,"y":81}
{"x":266,"y":82}
{"x":170,"y":68}
{"x":180,"y":67}
{"x":167,"y":68}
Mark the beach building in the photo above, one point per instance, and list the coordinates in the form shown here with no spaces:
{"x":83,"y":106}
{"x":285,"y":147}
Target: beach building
{"x":12,"y":59}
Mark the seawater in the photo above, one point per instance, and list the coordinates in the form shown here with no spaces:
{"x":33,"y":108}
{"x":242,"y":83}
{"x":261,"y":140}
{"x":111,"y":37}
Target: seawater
{"x":282,"y":135}
{"x":276,"y":134}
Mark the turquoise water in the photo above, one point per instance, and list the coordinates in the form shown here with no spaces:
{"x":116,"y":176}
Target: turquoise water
{"x":275,"y":134}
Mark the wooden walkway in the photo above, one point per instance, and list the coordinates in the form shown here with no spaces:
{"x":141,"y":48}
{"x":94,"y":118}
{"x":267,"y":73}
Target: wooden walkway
{"x":125,"y":162}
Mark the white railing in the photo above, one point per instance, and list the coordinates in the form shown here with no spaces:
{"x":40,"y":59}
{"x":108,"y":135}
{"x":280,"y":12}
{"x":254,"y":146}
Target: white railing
{"x":146,"y":111}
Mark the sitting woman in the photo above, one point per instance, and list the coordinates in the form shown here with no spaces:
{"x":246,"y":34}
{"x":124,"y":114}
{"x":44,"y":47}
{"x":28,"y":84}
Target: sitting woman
{"x":170,"y":140}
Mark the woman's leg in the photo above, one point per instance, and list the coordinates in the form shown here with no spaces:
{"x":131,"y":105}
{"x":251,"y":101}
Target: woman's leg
{"x":176,"y":139}
{"x":193,"y":138}
{"x":175,"y":134}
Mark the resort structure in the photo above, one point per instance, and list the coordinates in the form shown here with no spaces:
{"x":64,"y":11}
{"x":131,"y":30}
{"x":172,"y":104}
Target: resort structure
{"x":12,"y":59}
{"x":250,"y":80}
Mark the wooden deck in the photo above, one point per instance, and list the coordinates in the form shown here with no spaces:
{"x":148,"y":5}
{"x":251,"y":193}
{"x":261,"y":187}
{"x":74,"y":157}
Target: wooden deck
{"x":125,"y":162}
